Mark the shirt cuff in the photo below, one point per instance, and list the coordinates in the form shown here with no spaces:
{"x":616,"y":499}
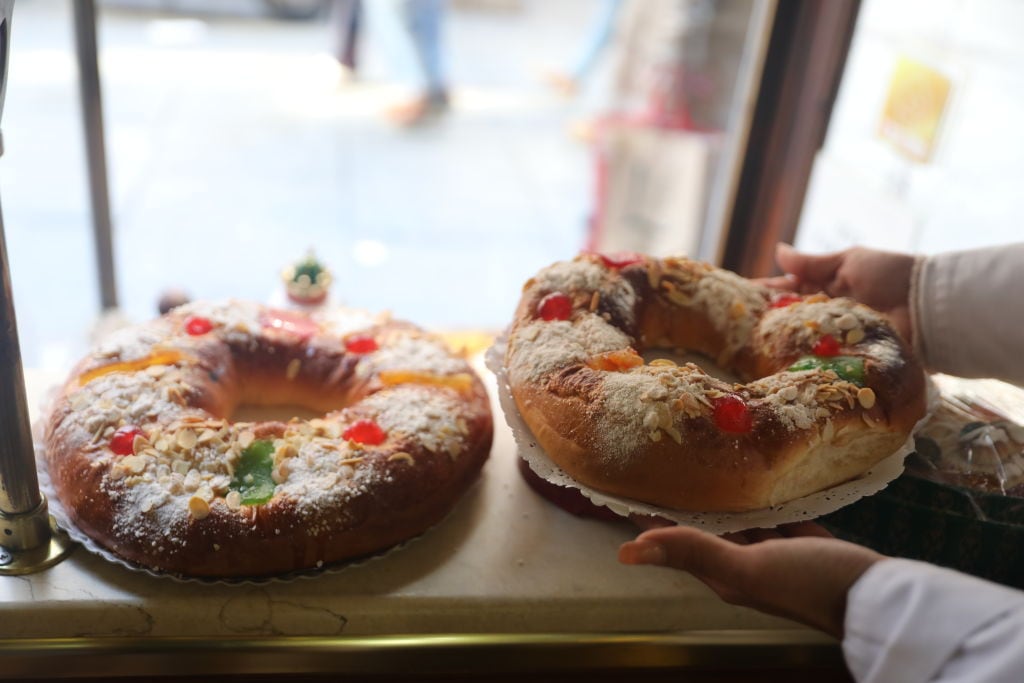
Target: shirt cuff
{"x":904,"y":619}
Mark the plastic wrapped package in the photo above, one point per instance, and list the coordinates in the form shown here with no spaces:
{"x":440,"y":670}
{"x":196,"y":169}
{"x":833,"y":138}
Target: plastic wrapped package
{"x":960,"y":500}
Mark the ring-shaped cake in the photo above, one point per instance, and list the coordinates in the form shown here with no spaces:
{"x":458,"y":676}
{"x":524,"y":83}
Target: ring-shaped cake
{"x":145,"y":459}
{"x":827,"y":387}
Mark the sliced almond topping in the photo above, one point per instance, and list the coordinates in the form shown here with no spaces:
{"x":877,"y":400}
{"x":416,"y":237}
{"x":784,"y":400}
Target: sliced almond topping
{"x":866,"y":398}
{"x":402,"y":455}
{"x":663,"y":362}
{"x":678,"y":298}
{"x":233,"y":500}
{"x":292,"y":371}
{"x":156,"y":370}
{"x":788,"y":393}
{"x":847,"y":321}
{"x":245,"y":438}
{"x":198,"y":508}
{"x":134,"y":464}
{"x":854,"y":335}
{"x":186,"y":439}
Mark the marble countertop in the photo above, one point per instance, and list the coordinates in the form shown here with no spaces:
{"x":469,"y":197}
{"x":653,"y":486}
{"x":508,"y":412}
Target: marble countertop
{"x":505,"y":561}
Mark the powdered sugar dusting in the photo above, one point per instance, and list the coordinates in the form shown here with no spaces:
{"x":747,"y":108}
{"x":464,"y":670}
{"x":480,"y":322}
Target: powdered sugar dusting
{"x":429,"y":417}
{"x":414,"y":352}
{"x":804,"y":323}
{"x":581,"y":275}
{"x":182,"y":464}
{"x":541,"y":347}
{"x":732,"y":304}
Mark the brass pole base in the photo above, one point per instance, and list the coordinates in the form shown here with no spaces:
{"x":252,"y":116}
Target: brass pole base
{"x":33,"y":560}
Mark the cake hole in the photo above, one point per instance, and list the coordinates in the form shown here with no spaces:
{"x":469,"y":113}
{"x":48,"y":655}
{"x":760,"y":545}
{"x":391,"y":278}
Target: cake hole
{"x":248,"y":412}
{"x":703,"y":362}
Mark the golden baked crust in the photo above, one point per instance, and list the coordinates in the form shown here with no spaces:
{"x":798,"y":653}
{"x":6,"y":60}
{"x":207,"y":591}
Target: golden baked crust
{"x":830,"y":388}
{"x":406,"y":429}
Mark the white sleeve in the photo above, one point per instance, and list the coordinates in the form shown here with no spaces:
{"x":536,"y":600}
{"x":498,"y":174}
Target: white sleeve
{"x":910,"y":621}
{"x":968,"y":312}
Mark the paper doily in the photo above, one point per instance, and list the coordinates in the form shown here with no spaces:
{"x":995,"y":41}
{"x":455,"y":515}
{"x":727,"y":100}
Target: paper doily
{"x":801,"y":509}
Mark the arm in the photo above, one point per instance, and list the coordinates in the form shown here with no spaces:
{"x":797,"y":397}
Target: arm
{"x":899,"y":620}
{"x":804,"y":577}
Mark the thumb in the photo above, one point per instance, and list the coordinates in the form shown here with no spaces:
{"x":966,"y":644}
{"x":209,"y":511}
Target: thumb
{"x":680,"y":547}
{"x":818,"y":270}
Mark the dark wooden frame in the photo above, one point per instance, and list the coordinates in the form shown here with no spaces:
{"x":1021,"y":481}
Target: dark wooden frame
{"x":804,"y":64}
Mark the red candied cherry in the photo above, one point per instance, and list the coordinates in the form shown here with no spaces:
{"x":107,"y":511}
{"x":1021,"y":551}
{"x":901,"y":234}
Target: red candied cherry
{"x":365,"y":431}
{"x":783,"y":300}
{"x":555,"y":306}
{"x":732,"y":415}
{"x":620,"y":259}
{"x":361,"y":343}
{"x":826,"y":346}
{"x":123,"y":441}
{"x":195,"y":325}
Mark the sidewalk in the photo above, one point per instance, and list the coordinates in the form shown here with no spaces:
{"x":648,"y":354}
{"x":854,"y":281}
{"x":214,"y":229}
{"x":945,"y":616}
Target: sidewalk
{"x":233,"y":148}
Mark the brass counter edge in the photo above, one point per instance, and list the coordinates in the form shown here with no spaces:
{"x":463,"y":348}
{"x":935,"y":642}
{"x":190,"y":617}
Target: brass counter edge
{"x":454,"y":653}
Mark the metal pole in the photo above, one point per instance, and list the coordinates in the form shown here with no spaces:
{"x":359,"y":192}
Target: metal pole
{"x":28,"y":537}
{"x":92,"y":116}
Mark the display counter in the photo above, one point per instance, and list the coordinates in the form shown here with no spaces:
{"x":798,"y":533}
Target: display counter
{"x":507,"y":583}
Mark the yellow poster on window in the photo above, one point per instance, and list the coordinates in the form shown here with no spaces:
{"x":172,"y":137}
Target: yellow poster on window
{"x":913,"y":109}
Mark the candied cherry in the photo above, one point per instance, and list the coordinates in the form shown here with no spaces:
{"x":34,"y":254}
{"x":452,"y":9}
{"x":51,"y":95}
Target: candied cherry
{"x":196,"y":325}
{"x":732,"y":415}
{"x":365,"y":431}
{"x":361,"y":343}
{"x":123,"y":441}
{"x":555,"y":306}
{"x":826,"y":346}
{"x":620,"y":259}
{"x":783,"y":300}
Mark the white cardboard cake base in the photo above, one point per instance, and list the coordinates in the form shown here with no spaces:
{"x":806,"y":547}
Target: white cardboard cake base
{"x":806,"y":508}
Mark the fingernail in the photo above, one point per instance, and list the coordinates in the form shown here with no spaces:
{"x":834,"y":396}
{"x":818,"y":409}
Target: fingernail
{"x":647,"y":553}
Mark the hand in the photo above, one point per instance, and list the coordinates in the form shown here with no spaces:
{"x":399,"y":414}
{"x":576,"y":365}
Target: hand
{"x":798,"y":571}
{"x":878,"y":279}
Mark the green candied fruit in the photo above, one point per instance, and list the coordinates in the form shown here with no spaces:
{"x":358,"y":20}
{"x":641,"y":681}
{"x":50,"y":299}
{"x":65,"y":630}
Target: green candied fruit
{"x":847,"y":367}
{"x":252,"y":475}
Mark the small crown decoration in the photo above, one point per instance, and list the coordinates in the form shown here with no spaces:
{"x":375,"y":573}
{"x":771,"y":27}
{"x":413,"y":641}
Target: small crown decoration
{"x":306,"y":282}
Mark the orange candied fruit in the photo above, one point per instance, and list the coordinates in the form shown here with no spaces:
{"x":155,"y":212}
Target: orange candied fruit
{"x":168,"y":357}
{"x":460,"y":381}
{"x":615,"y":361}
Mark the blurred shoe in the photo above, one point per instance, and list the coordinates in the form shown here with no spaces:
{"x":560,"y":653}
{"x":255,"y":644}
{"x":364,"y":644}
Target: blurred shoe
{"x":418,"y":109}
{"x":561,"y":83}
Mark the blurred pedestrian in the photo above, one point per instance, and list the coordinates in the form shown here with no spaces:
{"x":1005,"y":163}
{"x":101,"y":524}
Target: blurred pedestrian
{"x":409,"y":34}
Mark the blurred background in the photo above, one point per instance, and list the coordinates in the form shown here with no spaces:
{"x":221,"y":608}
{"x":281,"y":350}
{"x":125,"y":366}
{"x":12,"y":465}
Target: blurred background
{"x":435,"y":154}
